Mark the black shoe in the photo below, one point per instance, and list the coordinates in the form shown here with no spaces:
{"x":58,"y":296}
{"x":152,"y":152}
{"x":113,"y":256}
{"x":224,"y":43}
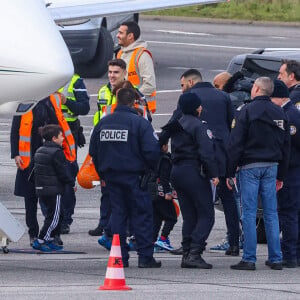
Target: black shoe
{"x":125,"y":264}
{"x":31,"y":240}
{"x":65,"y":229}
{"x":98,"y":231}
{"x":233,"y":251}
{"x":178,"y":251}
{"x":244,"y":265}
{"x":150,"y":264}
{"x":58,"y":240}
{"x":195,"y":262}
{"x":298,"y":262}
{"x":274,"y":265}
{"x":290,"y":263}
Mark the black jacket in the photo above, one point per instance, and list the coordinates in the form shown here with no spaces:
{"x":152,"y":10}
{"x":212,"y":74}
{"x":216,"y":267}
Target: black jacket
{"x":218,"y":114}
{"x":159,"y":182}
{"x":260,"y":135}
{"x":295,"y":95}
{"x":293,"y":175}
{"x":192,"y":143}
{"x":124,"y":142}
{"x":23,"y":187}
{"x":50,"y":170}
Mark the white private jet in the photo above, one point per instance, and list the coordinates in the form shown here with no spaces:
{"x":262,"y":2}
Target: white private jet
{"x":34,"y":60}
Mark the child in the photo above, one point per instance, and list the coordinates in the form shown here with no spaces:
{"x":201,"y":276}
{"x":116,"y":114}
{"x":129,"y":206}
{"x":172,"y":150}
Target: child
{"x":163,"y":207}
{"x":51,"y":176}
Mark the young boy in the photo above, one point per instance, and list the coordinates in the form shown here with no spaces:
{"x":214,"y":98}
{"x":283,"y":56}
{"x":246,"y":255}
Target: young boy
{"x":163,"y":207}
{"x":51,"y":176}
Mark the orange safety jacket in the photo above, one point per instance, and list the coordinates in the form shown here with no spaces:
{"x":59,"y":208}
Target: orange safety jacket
{"x":134,"y":76}
{"x":25,"y":138}
{"x":69,"y":142}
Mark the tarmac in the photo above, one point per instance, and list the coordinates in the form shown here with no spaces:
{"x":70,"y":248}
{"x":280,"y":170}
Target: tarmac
{"x":80,"y":274}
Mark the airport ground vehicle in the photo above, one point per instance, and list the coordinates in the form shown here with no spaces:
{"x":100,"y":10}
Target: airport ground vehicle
{"x":92,"y":42}
{"x":262,"y":62}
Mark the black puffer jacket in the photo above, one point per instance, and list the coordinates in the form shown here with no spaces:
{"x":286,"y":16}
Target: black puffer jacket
{"x":50,"y":171}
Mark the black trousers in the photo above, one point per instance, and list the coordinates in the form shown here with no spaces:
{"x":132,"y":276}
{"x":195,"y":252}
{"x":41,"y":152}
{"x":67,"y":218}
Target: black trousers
{"x":163,"y":210}
{"x":53,"y":218}
{"x":230,"y":212}
{"x":130,"y":203}
{"x":196,"y":205}
{"x":289,"y":211}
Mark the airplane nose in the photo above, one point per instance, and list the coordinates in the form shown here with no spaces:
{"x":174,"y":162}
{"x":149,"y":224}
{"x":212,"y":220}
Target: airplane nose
{"x":35,"y":61}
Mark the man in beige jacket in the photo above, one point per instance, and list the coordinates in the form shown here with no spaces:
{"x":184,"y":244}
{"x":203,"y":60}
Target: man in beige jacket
{"x":138,"y":58}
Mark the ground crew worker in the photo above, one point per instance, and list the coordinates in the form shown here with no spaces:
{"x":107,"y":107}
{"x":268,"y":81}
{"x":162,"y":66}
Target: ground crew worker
{"x":74,"y":102}
{"x":289,"y":73}
{"x":24,"y":141}
{"x":106,"y":98}
{"x":107,"y":102}
{"x":123,"y":146}
{"x":289,"y":196}
{"x":194,"y":164}
{"x":140,"y":67}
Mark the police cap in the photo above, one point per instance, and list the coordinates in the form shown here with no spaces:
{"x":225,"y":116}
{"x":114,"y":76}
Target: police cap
{"x":189,"y":102}
{"x":280,"y":90}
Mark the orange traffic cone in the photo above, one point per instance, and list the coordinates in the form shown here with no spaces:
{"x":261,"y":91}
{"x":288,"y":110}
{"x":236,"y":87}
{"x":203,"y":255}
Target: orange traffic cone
{"x":114,"y":278}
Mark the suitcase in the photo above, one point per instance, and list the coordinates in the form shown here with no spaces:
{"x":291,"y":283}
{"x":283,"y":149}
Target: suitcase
{"x":10,"y":228}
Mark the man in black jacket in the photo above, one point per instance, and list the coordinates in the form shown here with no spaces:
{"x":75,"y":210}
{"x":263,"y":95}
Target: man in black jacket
{"x":259,"y":146}
{"x":218,"y":113}
{"x":289,"y":73}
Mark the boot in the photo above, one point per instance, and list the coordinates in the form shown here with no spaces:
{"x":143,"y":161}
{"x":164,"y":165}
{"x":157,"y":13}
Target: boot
{"x":194,"y":260}
{"x":185,"y":254}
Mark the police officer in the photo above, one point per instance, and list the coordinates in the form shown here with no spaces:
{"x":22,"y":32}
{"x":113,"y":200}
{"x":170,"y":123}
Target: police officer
{"x":289,"y":196}
{"x":75,"y":102}
{"x":218,"y":113}
{"x":24,"y":141}
{"x":259,"y":146}
{"x":194,"y":164}
{"x":123,"y":146}
{"x":289,"y":73}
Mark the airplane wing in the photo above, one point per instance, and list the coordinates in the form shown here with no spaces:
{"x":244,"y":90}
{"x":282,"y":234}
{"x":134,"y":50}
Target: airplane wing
{"x":62,"y":10}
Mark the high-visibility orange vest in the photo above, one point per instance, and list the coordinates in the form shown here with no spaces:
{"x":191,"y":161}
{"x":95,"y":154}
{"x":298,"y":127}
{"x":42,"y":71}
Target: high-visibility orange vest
{"x":134,"y":75}
{"x":25,"y":138}
{"x":69,"y":142}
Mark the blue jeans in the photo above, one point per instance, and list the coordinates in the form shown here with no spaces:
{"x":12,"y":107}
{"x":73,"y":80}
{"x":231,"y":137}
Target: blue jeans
{"x":260,"y":180}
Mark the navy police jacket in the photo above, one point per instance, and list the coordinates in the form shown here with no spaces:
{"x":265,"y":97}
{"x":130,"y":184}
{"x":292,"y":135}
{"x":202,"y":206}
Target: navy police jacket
{"x":192,"y":143}
{"x":293,"y":175}
{"x":295,"y":95}
{"x":124,"y":142}
{"x":260,"y":135}
{"x":218,"y":113}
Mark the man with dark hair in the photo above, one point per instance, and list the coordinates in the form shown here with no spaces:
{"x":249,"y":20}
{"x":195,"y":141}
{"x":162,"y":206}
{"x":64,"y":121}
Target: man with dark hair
{"x":116,"y":75}
{"x":289,"y":73}
{"x":123,"y":147}
{"x":140,"y":67}
{"x":218,"y":113}
{"x":259,"y":146}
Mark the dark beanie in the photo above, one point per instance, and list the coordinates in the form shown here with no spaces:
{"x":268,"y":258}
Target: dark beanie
{"x":188,"y":103}
{"x":280,"y":89}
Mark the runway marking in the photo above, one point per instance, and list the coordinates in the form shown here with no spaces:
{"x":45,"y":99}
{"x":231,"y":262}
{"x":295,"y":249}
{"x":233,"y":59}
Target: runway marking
{"x":278,"y":37}
{"x":183,"y":32}
{"x":201,"y":45}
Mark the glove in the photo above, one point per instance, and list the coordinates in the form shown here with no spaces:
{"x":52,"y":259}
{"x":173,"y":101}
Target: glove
{"x":81,"y":138}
